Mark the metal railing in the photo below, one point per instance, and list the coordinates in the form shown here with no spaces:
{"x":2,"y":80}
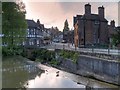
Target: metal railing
{"x":89,"y":50}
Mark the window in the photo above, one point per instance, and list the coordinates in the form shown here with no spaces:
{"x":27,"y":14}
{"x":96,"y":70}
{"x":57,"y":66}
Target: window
{"x":28,"y":31}
{"x":32,"y":43}
{"x":29,"y":43}
{"x":96,"y":22}
{"x":37,"y":41}
{"x":34,"y":31}
{"x":23,"y":43}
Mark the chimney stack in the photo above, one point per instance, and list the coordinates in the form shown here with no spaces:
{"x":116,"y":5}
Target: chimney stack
{"x":87,"y":9}
{"x":112,"y":23}
{"x":101,"y":11}
{"x":38,"y":21}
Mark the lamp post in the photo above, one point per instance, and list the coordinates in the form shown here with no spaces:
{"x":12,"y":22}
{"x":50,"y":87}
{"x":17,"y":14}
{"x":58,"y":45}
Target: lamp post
{"x":63,"y":46}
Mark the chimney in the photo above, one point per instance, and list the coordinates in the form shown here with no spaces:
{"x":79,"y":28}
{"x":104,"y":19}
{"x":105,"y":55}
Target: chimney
{"x":112,"y":23}
{"x":87,"y":9}
{"x":101,"y":11}
{"x":38,"y":22}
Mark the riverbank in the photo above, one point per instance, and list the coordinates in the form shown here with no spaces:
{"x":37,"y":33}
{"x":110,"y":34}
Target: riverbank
{"x":29,"y":65}
{"x":106,"y":70}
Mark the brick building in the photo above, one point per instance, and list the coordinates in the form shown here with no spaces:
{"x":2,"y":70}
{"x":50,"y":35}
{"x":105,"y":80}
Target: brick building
{"x":92,"y":28}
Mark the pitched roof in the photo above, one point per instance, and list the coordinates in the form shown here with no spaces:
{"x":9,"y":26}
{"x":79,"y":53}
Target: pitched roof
{"x":31,"y":23}
{"x":93,"y":17}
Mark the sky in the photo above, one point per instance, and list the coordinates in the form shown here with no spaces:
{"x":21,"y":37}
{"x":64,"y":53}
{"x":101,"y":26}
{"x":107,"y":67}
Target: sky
{"x":55,"y":13}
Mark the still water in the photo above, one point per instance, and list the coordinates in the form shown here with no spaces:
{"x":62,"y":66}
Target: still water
{"x":17,"y":72}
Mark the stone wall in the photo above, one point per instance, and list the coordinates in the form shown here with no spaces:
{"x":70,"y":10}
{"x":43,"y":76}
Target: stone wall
{"x":69,"y":65}
{"x":102,"y":69}
{"x":106,"y":70}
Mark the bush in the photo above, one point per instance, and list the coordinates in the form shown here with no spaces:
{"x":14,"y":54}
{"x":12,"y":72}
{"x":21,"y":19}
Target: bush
{"x":54,"y":62}
{"x":44,"y":55}
{"x":69,"y":55}
{"x":12,"y":50}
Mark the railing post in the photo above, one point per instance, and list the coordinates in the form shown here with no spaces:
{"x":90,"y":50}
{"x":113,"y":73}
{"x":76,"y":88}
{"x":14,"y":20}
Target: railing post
{"x":118,"y":52}
{"x":109,"y":49}
{"x":55,"y":46}
{"x":92,"y":48}
{"x":63,"y":47}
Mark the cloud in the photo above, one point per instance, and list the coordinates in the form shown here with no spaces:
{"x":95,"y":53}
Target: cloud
{"x":55,"y":13}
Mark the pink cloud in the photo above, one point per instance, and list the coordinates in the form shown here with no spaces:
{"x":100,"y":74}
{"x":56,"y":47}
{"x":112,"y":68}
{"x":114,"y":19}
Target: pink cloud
{"x":55,"y":13}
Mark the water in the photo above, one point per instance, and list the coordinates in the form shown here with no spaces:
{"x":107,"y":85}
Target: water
{"x":19,"y":74}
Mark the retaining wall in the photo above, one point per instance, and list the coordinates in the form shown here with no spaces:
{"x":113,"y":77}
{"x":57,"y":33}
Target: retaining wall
{"x":102,"y":69}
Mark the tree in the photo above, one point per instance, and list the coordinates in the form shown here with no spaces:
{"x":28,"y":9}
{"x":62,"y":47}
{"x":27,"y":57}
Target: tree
{"x":66,"y":30}
{"x":66,"y":26}
{"x":13,"y":23}
{"x":116,"y":37}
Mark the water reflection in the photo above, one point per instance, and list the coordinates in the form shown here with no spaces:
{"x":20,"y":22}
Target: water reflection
{"x":50,"y":80}
{"x":15,"y":73}
{"x":18,"y":74}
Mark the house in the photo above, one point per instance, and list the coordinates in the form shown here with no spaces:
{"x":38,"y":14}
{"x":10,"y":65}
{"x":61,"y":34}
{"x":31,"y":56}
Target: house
{"x":92,"y":28}
{"x":34,"y":34}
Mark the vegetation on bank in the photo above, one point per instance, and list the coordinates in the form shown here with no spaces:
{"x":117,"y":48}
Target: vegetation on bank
{"x":41,"y":55}
{"x":69,"y":55}
{"x":13,"y":50}
{"x":45,"y":56}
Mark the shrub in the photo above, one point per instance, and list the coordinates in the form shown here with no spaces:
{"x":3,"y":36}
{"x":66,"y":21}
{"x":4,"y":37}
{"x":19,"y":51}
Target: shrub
{"x":70,"y":55}
{"x":44,"y":55}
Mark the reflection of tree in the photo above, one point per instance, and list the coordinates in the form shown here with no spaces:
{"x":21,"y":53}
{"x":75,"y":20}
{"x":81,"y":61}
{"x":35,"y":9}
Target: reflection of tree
{"x":14,"y":79}
{"x":17,"y":77}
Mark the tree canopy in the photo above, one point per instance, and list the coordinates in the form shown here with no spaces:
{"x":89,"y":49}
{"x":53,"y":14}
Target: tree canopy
{"x":116,"y":37}
{"x":66,"y":26}
{"x":66,"y":31}
{"x":13,"y":23}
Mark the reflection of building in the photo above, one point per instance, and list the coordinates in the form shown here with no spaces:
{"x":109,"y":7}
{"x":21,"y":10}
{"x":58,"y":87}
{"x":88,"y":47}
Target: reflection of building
{"x":92,"y":28}
{"x":34,"y":33}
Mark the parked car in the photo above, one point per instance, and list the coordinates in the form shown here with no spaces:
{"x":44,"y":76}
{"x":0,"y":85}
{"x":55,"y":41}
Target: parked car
{"x":63,"y":41}
{"x":56,"y":40}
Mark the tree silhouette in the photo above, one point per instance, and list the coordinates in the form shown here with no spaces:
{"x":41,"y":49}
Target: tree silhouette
{"x":116,"y":37}
{"x":66,"y":26}
{"x":66,"y":30}
{"x":13,"y":23}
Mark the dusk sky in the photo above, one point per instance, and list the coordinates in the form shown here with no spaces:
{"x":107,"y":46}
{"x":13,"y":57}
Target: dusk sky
{"x":55,"y":13}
